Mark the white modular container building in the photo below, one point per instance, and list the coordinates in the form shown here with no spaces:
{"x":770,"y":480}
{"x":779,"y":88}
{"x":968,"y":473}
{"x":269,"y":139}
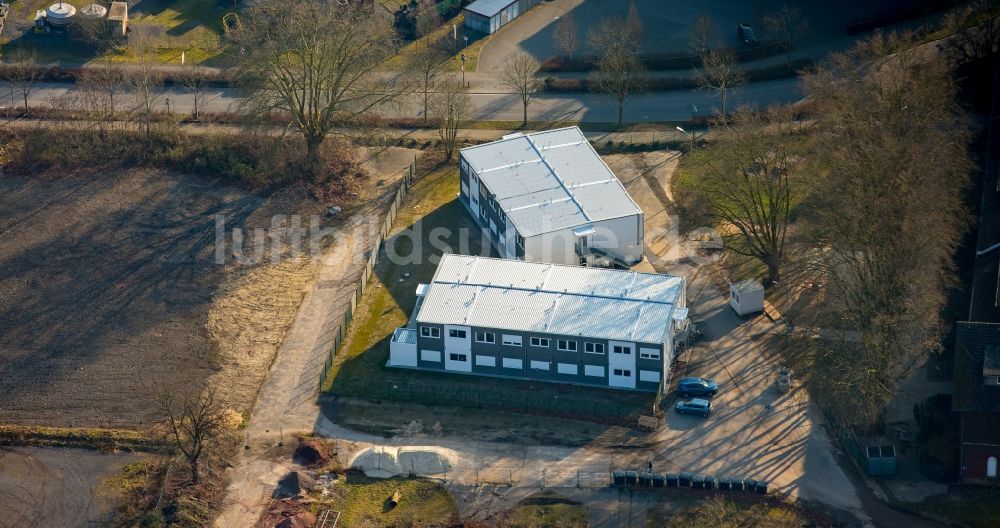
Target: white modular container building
{"x":746,"y":297}
{"x":523,"y":320}
{"x":549,"y":197}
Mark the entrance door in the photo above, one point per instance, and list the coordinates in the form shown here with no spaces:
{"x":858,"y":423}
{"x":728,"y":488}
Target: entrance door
{"x":458,"y":348}
{"x":621,"y":365}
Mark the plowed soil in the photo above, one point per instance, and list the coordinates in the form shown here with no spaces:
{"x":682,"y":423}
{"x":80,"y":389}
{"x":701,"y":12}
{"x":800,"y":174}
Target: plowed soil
{"x":110,"y":292}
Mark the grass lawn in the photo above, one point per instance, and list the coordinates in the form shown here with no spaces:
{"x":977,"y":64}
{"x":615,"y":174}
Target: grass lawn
{"x":971,"y":507}
{"x":170,"y":26}
{"x":362,"y":501}
{"x":359,"y":368}
{"x":548,"y":516}
{"x":444,"y":32}
{"x":710,"y":511}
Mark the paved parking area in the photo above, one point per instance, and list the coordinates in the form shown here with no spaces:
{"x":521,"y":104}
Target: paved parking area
{"x":743,"y":437}
{"x":666,"y":24}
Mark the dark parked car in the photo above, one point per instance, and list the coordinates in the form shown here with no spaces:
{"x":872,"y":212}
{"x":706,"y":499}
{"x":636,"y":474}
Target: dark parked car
{"x":697,"y":387}
{"x":694,"y":406}
{"x":745,"y":33}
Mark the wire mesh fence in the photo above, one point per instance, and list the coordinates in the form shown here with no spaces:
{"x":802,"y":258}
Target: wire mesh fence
{"x":359,"y":290}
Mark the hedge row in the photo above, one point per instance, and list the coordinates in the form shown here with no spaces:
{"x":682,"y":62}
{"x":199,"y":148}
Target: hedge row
{"x":667,"y":84}
{"x":664,"y":61}
{"x":213,"y":77}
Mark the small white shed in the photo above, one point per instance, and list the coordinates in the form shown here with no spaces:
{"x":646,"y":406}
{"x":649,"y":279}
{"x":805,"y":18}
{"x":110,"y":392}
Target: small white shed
{"x":746,"y":297}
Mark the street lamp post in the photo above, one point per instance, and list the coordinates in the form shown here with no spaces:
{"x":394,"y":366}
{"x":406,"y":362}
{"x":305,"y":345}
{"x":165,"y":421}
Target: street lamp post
{"x":686,"y":132}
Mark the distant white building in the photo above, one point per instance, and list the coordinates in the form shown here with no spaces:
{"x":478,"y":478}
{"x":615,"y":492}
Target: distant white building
{"x":549,"y":197}
{"x":493,"y":317}
{"x":488,"y":16}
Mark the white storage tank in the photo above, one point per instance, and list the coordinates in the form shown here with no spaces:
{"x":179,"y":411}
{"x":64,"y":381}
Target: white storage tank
{"x":746,"y":297}
{"x":60,"y":14}
{"x":93,"y":11}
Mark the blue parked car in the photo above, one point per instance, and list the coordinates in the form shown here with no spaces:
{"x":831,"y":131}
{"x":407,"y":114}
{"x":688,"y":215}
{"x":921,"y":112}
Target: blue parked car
{"x":697,"y":387}
{"x":745,"y":33}
{"x":694,"y":406}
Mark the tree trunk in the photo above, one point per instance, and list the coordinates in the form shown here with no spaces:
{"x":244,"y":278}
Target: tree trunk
{"x":313,"y":143}
{"x":25,"y":102}
{"x":425,"y":105}
{"x":525,"y":119}
{"x":194,"y":471}
{"x":773,"y":271}
{"x":621,"y":110}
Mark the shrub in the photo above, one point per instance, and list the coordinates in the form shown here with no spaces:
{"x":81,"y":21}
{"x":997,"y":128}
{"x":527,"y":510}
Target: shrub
{"x":214,"y":78}
{"x":663,"y":61}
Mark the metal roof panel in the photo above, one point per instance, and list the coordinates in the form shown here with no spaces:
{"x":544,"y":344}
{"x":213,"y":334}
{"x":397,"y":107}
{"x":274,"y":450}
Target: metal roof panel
{"x":567,"y":300}
{"x":529,"y":174}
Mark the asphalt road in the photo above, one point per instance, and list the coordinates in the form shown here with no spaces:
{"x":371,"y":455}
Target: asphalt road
{"x":492,"y":105}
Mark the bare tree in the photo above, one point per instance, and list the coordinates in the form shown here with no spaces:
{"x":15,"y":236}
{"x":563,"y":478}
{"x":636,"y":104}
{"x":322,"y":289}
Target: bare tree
{"x":619,"y":71}
{"x":96,"y":33}
{"x":750,"y":184}
{"x":427,"y":20}
{"x":703,"y":35}
{"x":565,"y":35}
{"x":789,"y":25}
{"x":316,"y":64}
{"x":888,"y":213}
{"x":614,"y":35}
{"x":451,"y":106}
{"x":974,"y":30}
{"x":193,"y":423}
{"x":99,"y":92}
{"x":720,"y":74}
{"x":145,"y":84}
{"x":426,"y":64}
{"x":195,"y":80}
{"x":22,"y":75}
{"x":520,"y":74}
{"x":633,"y":24}
{"x":620,"y":75}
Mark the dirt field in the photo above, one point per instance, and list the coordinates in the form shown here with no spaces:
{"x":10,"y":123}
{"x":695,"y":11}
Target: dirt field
{"x":106,"y":285}
{"x":110,"y":291}
{"x":54,"y":488}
